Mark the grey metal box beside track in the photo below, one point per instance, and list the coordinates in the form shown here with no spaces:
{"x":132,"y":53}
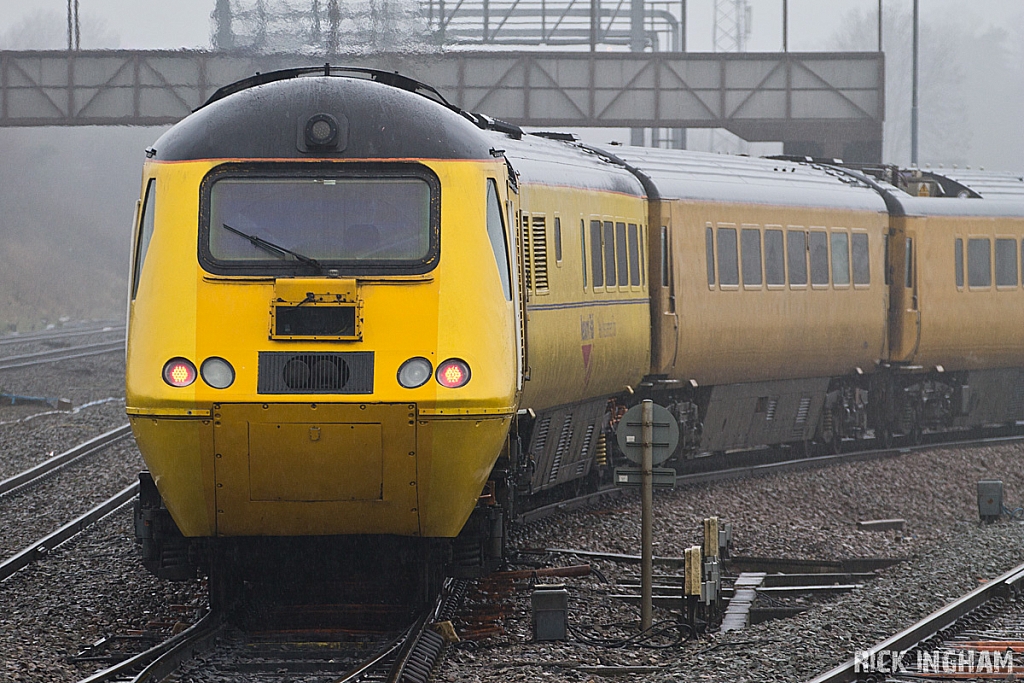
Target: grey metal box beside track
{"x":287,"y":372}
{"x":990,"y":499}
{"x":550,"y":603}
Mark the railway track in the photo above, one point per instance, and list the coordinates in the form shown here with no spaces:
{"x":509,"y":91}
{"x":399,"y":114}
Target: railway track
{"x":62,"y":333}
{"x":959,"y":641}
{"x":40,"y":548}
{"x":408,"y":654}
{"x":759,"y":463}
{"x":37,"y":474}
{"x":32,"y":477}
{"x":55,"y":355}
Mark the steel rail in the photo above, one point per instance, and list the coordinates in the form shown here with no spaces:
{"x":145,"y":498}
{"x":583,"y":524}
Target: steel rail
{"x":177,"y":648}
{"x":65,"y":334}
{"x":41,"y":357}
{"x":41,"y":547}
{"x":612,"y":492}
{"x":1006,"y":585}
{"x":34,"y":474}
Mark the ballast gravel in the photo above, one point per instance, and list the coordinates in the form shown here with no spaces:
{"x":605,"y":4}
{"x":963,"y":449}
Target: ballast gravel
{"x":803,"y":515}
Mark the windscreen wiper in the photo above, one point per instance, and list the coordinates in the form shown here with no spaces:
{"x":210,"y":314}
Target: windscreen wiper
{"x":276,"y":249}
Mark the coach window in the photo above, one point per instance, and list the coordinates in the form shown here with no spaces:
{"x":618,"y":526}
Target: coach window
{"x":621,"y":255}
{"x":908,"y":263}
{"x":609,"y":254}
{"x":774,"y":258}
{"x":496,"y":233}
{"x":861,"y":259}
{"x":728,"y":267}
{"x":818,"y":247}
{"x":583,"y":250}
{"x":709,"y":242}
{"x":558,"y":240}
{"x":642,"y":247}
{"x":840,"y":259}
{"x":979,"y":262}
{"x":750,"y":243}
{"x":1006,"y":262}
{"x":596,"y":264}
{"x":634,"y":255}
{"x":665,"y":256}
{"x":146,"y":221}
{"x":796,"y":254}
{"x":958,"y":257}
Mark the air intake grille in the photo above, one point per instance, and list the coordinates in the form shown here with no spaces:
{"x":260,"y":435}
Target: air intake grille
{"x":539,"y":249}
{"x":315,"y":373}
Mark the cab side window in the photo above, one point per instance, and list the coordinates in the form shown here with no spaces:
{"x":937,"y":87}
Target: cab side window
{"x":496,"y":234}
{"x":145,"y":233}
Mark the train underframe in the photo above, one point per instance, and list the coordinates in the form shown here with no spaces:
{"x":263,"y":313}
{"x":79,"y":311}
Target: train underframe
{"x":562,"y":452}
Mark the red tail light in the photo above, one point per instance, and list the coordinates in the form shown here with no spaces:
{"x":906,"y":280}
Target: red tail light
{"x":179,"y":372}
{"x":453,"y":373}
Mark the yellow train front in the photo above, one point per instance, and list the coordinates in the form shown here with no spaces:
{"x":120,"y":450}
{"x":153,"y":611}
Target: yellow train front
{"x":323,"y":340}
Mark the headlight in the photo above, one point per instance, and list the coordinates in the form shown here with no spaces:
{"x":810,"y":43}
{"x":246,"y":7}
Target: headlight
{"x":179,"y":372}
{"x":453,"y":373}
{"x":217,"y":372}
{"x":414,"y":372}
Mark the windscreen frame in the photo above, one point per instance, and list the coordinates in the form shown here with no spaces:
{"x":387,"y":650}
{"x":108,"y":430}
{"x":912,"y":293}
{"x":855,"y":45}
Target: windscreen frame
{"x":271,"y":170}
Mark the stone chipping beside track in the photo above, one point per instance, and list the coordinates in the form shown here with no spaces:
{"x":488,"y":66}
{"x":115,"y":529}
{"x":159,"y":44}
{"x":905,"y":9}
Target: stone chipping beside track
{"x":94,"y":585}
{"x":806,"y":515}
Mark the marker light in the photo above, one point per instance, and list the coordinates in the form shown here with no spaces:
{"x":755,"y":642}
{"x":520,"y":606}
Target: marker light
{"x":453,"y":373}
{"x":217,"y":372}
{"x":414,"y":372}
{"x":179,"y":372}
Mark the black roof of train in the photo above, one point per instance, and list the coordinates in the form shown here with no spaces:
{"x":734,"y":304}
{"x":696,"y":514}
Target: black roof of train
{"x":264,"y":118}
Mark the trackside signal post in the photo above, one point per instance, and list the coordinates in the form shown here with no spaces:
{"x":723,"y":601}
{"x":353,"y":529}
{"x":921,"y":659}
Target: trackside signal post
{"x":647,"y":435}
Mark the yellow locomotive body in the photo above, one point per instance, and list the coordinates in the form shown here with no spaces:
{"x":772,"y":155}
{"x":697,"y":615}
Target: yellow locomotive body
{"x":255,"y":459}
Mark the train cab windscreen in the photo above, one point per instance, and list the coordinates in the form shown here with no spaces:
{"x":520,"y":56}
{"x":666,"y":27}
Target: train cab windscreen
{"x":329,"y":222}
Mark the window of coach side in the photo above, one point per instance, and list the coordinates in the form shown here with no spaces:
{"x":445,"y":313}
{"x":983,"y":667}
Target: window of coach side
{"x":958,"y":266}
{"x":320,"y":219}
{"x":840,"y":248}
{"x":979,"y":262}
{"x":750,"y":248}
{"x":728,"y":261}
{"x":861,"y":259}
{"x":774,"y":257}
{"x":817,"y":244}
{"x":1006,"y":263}
{"x":796,"y":256}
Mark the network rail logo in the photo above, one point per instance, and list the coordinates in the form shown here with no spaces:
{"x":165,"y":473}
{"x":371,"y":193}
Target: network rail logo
{"x":962,"y":663}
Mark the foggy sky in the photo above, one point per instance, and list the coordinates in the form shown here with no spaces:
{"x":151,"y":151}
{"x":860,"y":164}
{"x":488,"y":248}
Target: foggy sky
{"x":152,"y":24}
{"x":987,"y":86}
